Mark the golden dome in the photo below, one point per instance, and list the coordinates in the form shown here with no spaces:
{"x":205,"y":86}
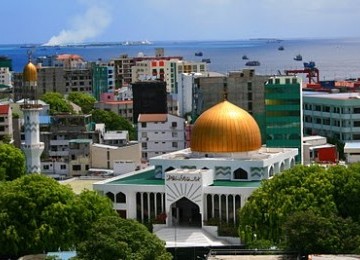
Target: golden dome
{"x":29,"y":72}
{"x":225,"y":128}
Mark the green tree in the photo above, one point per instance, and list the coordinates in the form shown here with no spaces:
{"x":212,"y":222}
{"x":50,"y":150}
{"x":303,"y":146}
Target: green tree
{"x":58,"y":104}
{"x":113,"y":121}
{"x":88,"y":207}
{"x":327,"y":194}
{"x":38,"y":214}
{"x":12,"y":162}
{"x":84,"y":100}
{"x":6,"y":139}
{"x":308,"y":232}
{"x":118,"y":238}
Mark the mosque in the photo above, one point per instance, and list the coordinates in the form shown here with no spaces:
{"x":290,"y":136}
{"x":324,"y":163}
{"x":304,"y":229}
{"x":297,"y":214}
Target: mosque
{"x":210,"y":180}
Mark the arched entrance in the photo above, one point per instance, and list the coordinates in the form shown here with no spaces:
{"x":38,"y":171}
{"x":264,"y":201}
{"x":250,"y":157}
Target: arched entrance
{"x":185,"y":213}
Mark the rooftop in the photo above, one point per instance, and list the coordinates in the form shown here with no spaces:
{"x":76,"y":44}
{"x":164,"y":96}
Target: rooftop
{"x":147,"y":177}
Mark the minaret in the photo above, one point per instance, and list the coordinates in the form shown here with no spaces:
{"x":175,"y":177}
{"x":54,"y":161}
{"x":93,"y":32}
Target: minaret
{"x":32,"y":146}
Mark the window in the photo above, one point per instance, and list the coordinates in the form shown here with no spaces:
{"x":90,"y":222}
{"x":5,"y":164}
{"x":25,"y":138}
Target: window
{"x":76,"y":167}
{"x":63,"y":166}
{"x":174,"y":144}
{"x":46,"y":167}
{"x":277,"y":81}
{"x":240,"y":174}
{"x":173,"y":124}
{"x":143,"y":125}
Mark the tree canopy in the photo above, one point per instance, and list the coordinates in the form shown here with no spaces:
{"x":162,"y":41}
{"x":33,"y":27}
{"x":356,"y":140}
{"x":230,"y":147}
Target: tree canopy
{"x":113,"y":121}
{"x":310,"y":196}
{"x":58,"y":104}
{"x":117,"y":238}
{"x":84,"y":100}
{"x":12,"y":162}
{"x":38,"y":214}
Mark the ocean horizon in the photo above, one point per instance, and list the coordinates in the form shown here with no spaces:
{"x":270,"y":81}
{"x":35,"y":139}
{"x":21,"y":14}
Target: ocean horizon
{"x":336,"y":58}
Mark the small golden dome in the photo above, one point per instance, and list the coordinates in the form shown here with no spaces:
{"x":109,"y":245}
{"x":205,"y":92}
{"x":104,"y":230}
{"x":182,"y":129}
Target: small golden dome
{"x":225,"y":128}
{"x":29,"y":72}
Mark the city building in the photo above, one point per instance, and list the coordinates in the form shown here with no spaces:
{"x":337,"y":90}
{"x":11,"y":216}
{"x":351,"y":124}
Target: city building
{"x":67,"y":142}
{"x":114,"y":160}
{"x":116,"y":138}
{"x":317,"y":150}
{"x":149,"y":97}
{"x":244,"y":88}
{"x":283,"y":113}
{"x":6,"y":123}
{"x":5,"y":79}
{"x":160,"y":134}
{"x":352,"y":152}
{"x":121,"y":108}
{"x":334,"y":115}
{"x":210,"y":180}
{"x":166,"y":70}
{"x":103,"y":79}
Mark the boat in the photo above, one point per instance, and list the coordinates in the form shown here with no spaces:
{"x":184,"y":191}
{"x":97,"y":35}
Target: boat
{"x":199,"y":54}
{"x":206,"y":60}
{"x":281,"y":48}
{"x":252,"y":63}
{"x":298,"y":57}
{"x":244,"y":57}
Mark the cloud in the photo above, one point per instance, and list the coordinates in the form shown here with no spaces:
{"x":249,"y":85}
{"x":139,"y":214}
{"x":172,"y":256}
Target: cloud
{"x":90,"y":24}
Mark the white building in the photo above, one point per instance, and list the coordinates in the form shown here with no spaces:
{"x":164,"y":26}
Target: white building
{"x":5,"y":79}
{"x":352,"y":152}
{"x":166,"y":70}
{"x":210,"y":180}
{"x":160,"y":134}
{"x":6,"y":125}
{"x":116,"y":138}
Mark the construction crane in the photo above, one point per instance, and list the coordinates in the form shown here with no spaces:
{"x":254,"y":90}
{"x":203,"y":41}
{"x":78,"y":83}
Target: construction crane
{"x":312,"y":73}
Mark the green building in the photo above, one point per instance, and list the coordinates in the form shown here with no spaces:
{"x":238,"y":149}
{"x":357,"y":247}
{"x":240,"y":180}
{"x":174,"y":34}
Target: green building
{"x":100,"y":75}
{"x":283,"y":113}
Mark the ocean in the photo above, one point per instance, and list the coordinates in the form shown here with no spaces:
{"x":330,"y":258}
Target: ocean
{"x":336,"y":59}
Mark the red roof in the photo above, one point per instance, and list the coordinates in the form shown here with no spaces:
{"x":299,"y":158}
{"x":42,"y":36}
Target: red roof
{"x":152,"y":118}
{"x":4,"y":109}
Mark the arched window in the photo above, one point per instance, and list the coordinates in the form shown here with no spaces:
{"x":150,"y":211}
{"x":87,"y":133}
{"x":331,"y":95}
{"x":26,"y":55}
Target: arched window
{"x":240,"y":174}
{"x":282,"y":167}
{"x":120,"y":198}
{"x":271,"y":171}
{"x":205,"y":168}
{"x":110,"y":195}
{"x":209,"y":206}
{"x":292,"y":162}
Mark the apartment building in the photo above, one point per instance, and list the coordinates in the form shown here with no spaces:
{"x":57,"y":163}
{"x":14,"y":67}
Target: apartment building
{"x":6,"y":124}
{"x":335,"y":115}
{"x":160,"y":134}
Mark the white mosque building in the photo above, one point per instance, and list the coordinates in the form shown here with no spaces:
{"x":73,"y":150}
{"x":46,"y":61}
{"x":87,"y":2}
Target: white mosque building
{"x":210,"y":180}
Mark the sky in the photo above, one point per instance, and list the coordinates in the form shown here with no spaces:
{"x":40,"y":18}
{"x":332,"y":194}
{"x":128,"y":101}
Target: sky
{"x":56,"y":22}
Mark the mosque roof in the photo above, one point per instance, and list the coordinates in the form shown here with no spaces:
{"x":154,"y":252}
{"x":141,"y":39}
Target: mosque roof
{"x":225,"y":128}
{"x":29,"y":72}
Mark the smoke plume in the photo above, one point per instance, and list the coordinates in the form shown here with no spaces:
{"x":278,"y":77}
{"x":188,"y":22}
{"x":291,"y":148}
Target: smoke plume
{"x":84,"y":27}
